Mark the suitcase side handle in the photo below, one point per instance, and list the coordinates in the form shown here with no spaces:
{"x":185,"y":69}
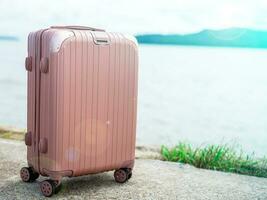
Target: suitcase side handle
{"x":78,"y":28}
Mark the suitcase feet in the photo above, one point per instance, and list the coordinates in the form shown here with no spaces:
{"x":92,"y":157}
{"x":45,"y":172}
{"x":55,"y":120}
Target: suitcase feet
{"x":122,"y":175}
{"x":50,"y":187}
{"x":27,"y":174}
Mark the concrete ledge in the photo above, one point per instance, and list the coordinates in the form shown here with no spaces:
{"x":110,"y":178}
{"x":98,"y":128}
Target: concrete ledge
{"x":152,"y":179}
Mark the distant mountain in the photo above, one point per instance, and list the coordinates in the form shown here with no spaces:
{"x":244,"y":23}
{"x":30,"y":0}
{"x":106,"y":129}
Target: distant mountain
{"x":233,"y":37}
{"x":10,"y":38}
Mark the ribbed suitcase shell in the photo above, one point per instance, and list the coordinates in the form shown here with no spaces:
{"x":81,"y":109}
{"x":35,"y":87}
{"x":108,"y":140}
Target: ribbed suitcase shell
{"x":82,"y":101}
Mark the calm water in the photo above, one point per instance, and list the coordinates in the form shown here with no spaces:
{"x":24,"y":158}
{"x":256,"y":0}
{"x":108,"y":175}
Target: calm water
{"x":194,"y":94}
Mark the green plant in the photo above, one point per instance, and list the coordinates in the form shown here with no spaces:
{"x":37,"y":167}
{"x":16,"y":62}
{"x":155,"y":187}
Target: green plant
{"x":11,"y":134}
{"x":216,"y":157}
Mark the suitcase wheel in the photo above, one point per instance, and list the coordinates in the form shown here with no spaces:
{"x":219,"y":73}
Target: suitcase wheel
{"x":50,"y":187}
{"x":122,"y":175}
{"x":27,"y":174}
{"x":130,"y":175}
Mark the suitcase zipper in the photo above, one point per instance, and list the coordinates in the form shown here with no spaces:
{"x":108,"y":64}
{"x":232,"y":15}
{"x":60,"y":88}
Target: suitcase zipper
{"x":38,"y":55}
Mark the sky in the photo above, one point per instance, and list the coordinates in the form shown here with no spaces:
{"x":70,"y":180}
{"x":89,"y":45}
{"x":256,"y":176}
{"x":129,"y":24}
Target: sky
{"x":139,"y":16}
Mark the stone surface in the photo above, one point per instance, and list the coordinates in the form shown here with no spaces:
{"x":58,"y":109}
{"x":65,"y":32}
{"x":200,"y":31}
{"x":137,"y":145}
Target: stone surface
{"x":152,"y":179}
{"x":145,"y":152}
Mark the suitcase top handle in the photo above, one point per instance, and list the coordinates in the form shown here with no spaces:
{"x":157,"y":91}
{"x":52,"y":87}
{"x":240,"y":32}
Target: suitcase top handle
{"x":78,"y":28}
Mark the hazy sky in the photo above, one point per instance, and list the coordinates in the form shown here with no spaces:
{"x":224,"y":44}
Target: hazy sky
{"x":138,"y":16}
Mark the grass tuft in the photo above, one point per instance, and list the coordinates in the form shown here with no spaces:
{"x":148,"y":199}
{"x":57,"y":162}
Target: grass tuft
{"x":11,"y":134}
{"x":216,"y":157}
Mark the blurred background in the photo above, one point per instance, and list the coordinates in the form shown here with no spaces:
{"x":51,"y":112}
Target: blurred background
{"x":202,"y":76}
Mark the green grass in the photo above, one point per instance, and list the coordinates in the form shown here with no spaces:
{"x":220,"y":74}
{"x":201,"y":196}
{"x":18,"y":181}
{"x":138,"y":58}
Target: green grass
{"x":11,"y":134}
{"x":216,"y":157}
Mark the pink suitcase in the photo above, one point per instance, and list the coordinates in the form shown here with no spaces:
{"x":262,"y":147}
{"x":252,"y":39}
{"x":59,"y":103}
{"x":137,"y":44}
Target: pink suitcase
{"x":82,"y":103}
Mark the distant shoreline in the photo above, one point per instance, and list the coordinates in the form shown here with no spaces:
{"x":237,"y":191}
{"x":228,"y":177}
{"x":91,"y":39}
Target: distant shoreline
{"x":8,"y":38}
{"x":234,"y":37}
{"x":201,"y":46}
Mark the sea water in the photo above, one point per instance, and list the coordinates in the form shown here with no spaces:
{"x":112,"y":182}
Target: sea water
{"x":199,"y":95}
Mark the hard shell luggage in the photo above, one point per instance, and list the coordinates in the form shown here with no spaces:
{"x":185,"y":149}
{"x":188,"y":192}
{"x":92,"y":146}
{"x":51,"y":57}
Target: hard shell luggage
{"x":81,"y":106}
